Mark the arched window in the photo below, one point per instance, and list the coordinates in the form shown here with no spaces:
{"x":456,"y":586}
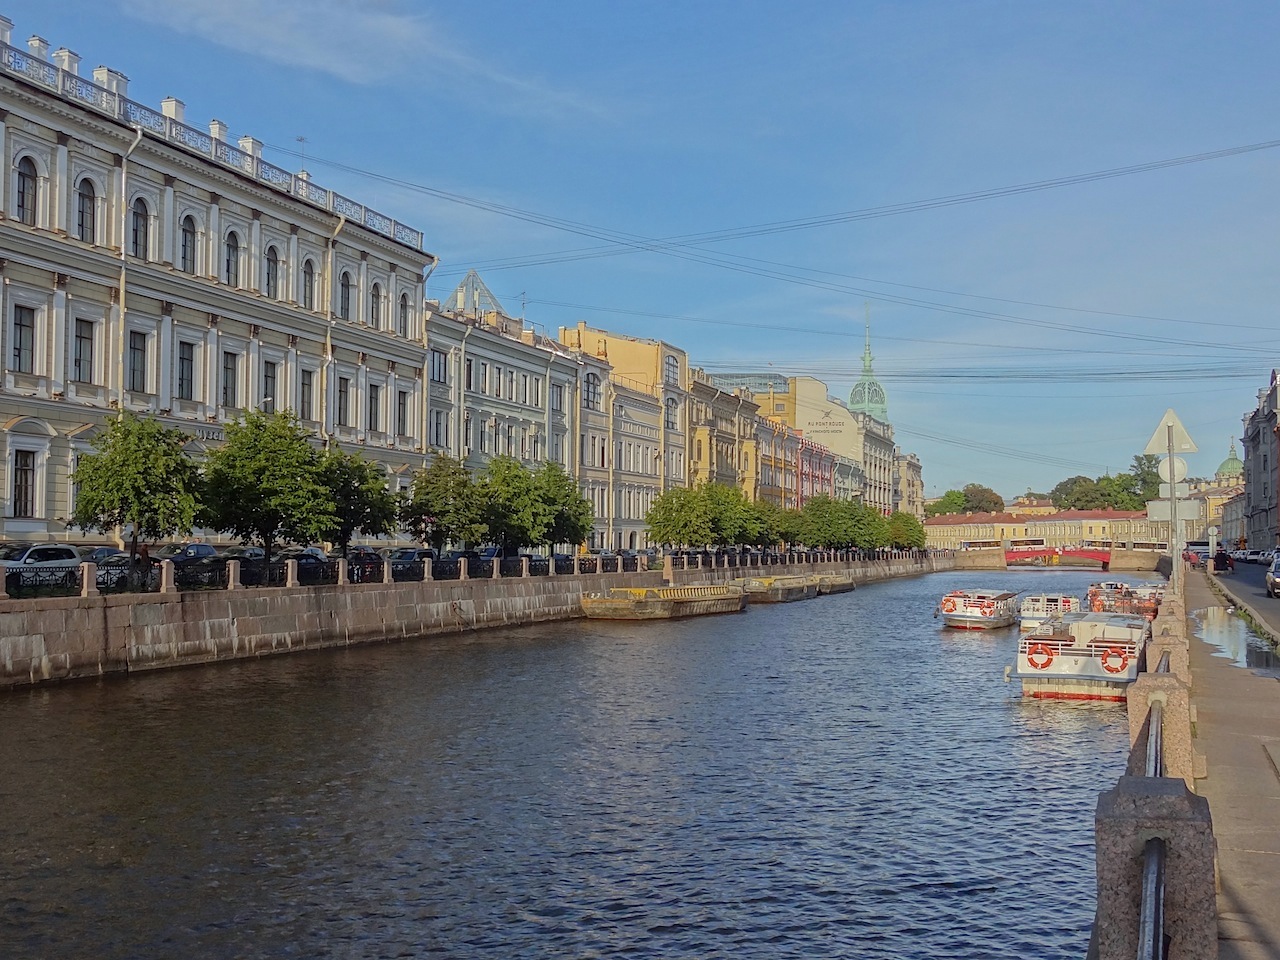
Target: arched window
{"x":271,"y":282}
{"x":87,"y":211}
{"x":375,"y":307}
{"x":231,"y":264}
{"x":140,"y":232}
{"x":404,"y":315}
{"x":671,"y":370}
{"x":309,"y":285}
{"x":187,"y":255}
{"x":672,"y":418}
{"x":28,"y":181}
{"x":591,"y":392}
{"x":344,"y":296}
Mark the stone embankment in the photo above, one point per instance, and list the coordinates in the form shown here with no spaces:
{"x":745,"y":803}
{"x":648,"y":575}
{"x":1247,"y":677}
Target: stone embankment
{"x":69,"y":637}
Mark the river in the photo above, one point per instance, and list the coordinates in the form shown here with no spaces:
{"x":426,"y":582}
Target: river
{"x":836,"y":778}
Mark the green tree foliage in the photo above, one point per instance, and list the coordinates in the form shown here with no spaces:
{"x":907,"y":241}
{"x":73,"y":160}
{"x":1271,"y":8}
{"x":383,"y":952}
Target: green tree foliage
{"x":444,"y":505}
{"x":980,"y":499}
{"x":950,"y":502}
{"x":362,"y":502}
{"x":266,"y":483}
{"x":137,"y":476}
{"x":511,"y":506}
{"x":1146,"y":474}
{"x":841,"y":524}
{"x":904,"y":530}
{"x":734,"y":519}
{"x":570,"y":512}
{"x":682,"y":516}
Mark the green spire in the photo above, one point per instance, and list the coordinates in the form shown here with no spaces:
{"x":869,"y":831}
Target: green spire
{"x":867,"y":395}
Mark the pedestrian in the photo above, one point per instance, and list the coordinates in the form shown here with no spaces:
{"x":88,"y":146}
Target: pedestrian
{"x":1220,"y":561}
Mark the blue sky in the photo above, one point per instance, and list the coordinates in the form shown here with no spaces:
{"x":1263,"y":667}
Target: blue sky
{"x":1023,"y":336}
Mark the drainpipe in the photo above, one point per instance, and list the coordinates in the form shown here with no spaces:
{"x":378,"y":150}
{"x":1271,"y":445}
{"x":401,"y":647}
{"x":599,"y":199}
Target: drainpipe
{"x":124,"y":229}
{"x":546,"y":402}
{"x":460,"y":414}
{"x":328,"y":330}
{"x":612,"y":395}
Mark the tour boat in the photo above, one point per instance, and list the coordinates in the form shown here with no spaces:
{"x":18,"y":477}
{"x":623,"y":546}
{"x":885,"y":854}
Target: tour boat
{"x":1082,"y":656}
{"x":663,"y":603}
{"x":1114,"y":596}
{"x":778,"y":589}
{"x":978,"y":609}
{"x":1045,"y":606}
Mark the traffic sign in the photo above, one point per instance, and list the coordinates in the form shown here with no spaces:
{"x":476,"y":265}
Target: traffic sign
{"x":1160,"y":440}
{"x":1180,"y":490}
{"x":1172,"y":465}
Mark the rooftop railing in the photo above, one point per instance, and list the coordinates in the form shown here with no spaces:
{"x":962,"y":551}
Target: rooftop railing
{"x":75,"y":88}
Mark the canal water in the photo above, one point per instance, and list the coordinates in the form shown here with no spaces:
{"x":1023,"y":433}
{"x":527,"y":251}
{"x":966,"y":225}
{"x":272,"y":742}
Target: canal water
{"x":837,"y":778}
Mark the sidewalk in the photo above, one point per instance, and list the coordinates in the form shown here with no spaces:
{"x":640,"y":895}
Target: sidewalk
{"x":1237,"y":728}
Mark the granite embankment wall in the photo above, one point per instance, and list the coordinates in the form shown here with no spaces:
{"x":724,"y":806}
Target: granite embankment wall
{"x":1131,"y":561}
{"x":64,"y":638}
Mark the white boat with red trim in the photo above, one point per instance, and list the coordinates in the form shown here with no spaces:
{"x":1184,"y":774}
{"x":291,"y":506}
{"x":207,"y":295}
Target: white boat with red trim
{"x":978,"y":609}
{"x":1044,"y":607}
{"x":1082,"y":656}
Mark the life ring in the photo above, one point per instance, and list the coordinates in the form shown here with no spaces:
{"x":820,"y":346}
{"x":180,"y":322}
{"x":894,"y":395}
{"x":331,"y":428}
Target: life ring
{"x":988,"y":608}
{"x":1039,"y":649}
{"x":948,"y":605}
{"x":1098,"y":604}
{"x":1115,"y":652}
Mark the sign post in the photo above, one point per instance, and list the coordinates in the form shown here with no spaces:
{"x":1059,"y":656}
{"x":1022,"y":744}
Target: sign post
{"x":1171,"y":437}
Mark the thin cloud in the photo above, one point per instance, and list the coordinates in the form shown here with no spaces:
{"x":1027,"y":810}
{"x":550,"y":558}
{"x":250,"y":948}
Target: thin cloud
{"x":365,"y":42}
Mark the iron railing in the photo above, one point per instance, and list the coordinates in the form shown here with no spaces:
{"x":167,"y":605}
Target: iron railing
{"x":1151,"y":939}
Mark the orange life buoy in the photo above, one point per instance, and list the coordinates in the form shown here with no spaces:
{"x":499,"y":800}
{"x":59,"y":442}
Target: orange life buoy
{"x":988,"y":608}
{"x":948,"y":605}
{"x":1040,"y":649}
{"x":1098,"y":604}
{"x":1115,"y":652}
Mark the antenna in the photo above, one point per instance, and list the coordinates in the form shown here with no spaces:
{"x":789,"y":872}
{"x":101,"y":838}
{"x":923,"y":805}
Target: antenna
{"x":302,"y":145}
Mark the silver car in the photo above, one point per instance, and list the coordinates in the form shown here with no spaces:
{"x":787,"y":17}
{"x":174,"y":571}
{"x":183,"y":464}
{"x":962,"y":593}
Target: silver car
{"x":1273,"y":578}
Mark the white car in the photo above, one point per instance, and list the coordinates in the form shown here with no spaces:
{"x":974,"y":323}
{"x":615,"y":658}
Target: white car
{"x":38,"y":555}
{"x":1252,"y":556}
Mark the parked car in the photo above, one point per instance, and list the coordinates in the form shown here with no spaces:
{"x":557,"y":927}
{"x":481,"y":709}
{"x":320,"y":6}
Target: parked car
{"x":1273,"y":578}
{"x":242,"y":553}
{"x":28,"y":555}
{"x":460,"y":555}
{"x":99,"y":554}
{"x":1252,"y":556}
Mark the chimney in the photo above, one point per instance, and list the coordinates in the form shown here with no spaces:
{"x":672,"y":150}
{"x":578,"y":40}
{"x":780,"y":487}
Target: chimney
{"x":67,"y":60}
{"x":6,"y":30}
{"x":113,"y":80}
{"x":39,"y":47}
{"x":173,"y":108}
{"x":218,"y":130}
{"x":252,"y":147}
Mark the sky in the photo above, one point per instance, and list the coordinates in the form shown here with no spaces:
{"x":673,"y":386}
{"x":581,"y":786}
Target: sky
{"x":1060,"y":219}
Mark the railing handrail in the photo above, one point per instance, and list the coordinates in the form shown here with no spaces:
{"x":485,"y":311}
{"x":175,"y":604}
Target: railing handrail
{"x":1151,"y":915}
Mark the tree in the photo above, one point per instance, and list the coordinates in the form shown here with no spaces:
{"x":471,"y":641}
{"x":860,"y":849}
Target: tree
{"x":444,"y":504}
{"x":950,"y":502}
{"x":510,"y":506}
{"x":980,"y":499}
{"x":570,"y":512}
{"x":733,"y":518}
{"x":1146,"y":471}
{"x":358,"y":488}
{"x":679,"y":516}
{"x":266,"y":483}
{"x":905,"y":530}
{"x":139,"y":476}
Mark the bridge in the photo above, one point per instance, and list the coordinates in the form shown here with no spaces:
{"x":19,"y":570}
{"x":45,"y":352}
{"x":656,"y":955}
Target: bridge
{"x":1049,"y":556}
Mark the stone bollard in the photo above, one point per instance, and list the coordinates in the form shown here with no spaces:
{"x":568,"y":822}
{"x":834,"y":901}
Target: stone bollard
{"x":496,"y":571}
{"x":462,"y":569}
{"x":426,"y":570}
{"x":166,"y":577}
{"x":88,"y":579}
{"x":1127,"y":816}
{"x":668,"y":570}
{"x":387,"y":575}
{"x":344,"y":571}
{"x":551,"y":564}
{"x":1175,"y":735}
{"x":524,"y":568}
{"x":233,"y":574}
{"x":291,"y":573}
{"x":4,"y":593}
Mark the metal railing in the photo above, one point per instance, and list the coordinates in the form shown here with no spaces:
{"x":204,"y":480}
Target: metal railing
{"x":1151,"y":939}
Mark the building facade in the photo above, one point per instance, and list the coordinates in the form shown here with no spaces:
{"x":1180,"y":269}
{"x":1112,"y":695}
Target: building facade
{"x":908,"y":484}
{"x":1262,"y":470}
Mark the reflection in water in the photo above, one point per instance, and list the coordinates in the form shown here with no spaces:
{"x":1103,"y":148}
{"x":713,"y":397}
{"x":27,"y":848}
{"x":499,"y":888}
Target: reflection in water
{"x":1234,"y":640}
{"x":836,"y":778}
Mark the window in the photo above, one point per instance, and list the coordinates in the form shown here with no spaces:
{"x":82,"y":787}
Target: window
{"x":497,"y":382}
{"x":537,"y":391}
{"x":24,"y":483}
{"x":375,"y":402}
{"x":271,"y":285}
{"x":306,"y":383}
{"x":484,"y":438}
{"x":440,"y":428}
{"x":467,"y":432}
{"x":230,"y":374}
{"x":231,"y":266}
{"x":87,"y":211}
{"x":483,"y":386}
{"x":309,"y":285}
{"x":467,"y":375}
{"x":137,"y":361}
{"x":671,"y":370}
{"x":557,"y":396}
{"x":344,"y":401}
{"x":24,"y":339}
{"x":82,"y":352}
{"x":140,"y":230}
{"x":187,"y":251}
{"x":404,"y":314}
{"x":344,"y":296}
{"x":186,"y":370}
{"x":440,"y":367}
{"x":269,"y":386}
{"x":591,"y":392}
{"x":524,"y":388}
{"x":27,"y":185}
{"x":375,"y":307}
{"x":511,"y":384}
{"x":671,"y":419}
{"x":511,"y":441}
{"x":402,"y":413}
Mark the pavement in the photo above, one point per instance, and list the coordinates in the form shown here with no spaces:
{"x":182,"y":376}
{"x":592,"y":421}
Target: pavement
{"x":1237,"y":729}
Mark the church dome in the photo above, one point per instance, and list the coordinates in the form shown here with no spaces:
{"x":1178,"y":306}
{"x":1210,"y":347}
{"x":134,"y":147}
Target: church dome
{"x":1231,"y":468}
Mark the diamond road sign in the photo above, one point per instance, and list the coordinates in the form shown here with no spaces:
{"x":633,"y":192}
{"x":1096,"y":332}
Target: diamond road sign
{"x":1159,"y":442}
